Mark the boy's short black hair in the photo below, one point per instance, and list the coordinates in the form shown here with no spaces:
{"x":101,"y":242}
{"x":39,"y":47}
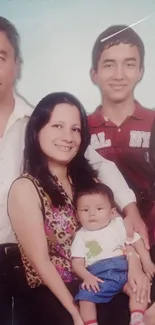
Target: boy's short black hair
{"x":115,"y":35}
{"x":97,"y":188}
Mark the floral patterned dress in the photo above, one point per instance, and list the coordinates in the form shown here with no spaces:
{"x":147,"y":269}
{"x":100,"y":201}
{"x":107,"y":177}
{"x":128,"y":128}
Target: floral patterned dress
{"x":60,"y":225}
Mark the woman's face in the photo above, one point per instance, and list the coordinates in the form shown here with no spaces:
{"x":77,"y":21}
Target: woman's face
{"x":60,"y":138}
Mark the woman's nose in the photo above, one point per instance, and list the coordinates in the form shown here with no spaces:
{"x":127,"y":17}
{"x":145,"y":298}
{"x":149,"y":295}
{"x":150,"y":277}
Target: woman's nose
{"x":67,"y":136}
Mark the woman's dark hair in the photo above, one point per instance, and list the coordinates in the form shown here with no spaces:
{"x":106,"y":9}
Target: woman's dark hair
{"x":35,"y":161}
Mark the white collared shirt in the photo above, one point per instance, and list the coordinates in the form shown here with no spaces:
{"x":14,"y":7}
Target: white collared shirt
{"x":110,"y":175}
{"x":11,"y":158}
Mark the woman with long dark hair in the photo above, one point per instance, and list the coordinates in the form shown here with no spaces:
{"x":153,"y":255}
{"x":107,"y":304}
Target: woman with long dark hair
{"x":41,"y":206}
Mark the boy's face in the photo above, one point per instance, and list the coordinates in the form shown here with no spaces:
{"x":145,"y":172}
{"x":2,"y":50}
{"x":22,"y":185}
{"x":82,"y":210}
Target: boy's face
{"x":94,"y":211}
{"x":118,"y":72}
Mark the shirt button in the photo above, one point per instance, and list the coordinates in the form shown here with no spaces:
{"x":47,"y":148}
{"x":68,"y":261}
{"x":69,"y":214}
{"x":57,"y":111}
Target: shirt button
{"x":119,"y":130}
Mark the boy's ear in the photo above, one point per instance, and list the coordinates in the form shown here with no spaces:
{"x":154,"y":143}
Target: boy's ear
{"x":113,"y":213}
{"x":93,"y":76}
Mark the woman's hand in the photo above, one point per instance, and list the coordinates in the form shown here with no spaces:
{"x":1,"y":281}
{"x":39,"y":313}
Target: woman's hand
{"x":77,"y":318}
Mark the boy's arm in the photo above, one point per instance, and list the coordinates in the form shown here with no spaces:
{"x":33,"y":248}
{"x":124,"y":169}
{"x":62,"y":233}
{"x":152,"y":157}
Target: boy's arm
{"x":137,"y":279}
{"x":147,"y":264}
{"x":78,"y":264}
{"x":140,"y":249}
{"x":110,"y":175}
{"x":89,"y":280}
{"x":78,"y":256}
{"x":138,"y":245}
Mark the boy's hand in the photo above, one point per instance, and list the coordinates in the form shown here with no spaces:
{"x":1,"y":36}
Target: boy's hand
{"x":148,"y":267}
{"x":91,"y":282}
{"x":136,"y":224}
{"x":140,"y":285}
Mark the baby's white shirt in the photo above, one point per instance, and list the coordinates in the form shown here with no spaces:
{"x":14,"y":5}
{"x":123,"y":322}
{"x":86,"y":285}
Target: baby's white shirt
{"x":97,"y":245}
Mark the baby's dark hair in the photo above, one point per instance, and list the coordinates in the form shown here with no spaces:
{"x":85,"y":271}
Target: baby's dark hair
{"x":96,"y":188}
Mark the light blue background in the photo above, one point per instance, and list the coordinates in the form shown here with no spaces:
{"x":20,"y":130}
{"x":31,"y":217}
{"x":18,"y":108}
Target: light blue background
{"x":57,"y":39}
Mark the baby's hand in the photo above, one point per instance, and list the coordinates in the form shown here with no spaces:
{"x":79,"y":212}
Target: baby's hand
{"x":149,"y":268}
{"x":91,"y":282}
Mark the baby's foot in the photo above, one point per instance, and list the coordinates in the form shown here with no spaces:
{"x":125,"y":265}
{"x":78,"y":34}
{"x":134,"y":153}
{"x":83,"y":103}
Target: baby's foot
{"x":137,"y":317}
{"x":138,"y":323}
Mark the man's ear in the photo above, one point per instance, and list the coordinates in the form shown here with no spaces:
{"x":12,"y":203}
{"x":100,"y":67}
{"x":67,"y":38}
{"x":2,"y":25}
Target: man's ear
{"x":18,"y":69}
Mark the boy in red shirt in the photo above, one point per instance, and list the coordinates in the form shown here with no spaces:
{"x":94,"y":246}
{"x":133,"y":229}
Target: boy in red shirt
{"x":120,"y":127}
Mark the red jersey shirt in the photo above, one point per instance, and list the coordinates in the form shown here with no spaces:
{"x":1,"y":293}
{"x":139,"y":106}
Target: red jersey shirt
{"x":127,"y":146}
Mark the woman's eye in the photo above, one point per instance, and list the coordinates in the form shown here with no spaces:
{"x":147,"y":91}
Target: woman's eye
{"x":58,"y":126}
{"x":76,"y":130}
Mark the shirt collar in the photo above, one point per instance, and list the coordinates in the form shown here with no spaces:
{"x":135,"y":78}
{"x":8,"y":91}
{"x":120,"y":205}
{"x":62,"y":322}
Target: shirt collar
{"x":21,"y":109}
{"x":98,"y":119}
{"x":139,"y":112}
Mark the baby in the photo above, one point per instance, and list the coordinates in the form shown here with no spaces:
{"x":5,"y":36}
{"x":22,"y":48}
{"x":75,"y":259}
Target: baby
{"x":100,"y":255}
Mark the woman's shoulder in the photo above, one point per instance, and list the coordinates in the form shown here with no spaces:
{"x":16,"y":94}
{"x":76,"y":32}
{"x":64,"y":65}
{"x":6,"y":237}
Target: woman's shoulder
{"x":27,"y":176}
{"x":23,"y":198}
{"x":29,"y":187}
{"x":25,"y":184}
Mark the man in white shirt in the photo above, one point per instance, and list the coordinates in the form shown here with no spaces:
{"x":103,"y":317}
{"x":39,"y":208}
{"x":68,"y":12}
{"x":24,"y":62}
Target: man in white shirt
{"x":14,"y":113}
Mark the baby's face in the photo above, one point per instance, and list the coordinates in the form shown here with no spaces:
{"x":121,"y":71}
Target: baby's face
{"x":94,"y":211}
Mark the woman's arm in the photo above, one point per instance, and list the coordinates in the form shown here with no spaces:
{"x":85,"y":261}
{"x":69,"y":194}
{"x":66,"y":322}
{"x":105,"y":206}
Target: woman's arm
{"x":24,"y":209}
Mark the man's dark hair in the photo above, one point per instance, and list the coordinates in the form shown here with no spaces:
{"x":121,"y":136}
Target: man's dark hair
{"x":115,"y":35}
{"x":97,"y":188}
{"x":12,"y":34}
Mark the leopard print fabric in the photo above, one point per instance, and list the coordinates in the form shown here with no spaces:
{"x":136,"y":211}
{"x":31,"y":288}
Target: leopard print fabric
{"x":60,"y":225}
